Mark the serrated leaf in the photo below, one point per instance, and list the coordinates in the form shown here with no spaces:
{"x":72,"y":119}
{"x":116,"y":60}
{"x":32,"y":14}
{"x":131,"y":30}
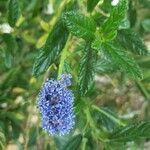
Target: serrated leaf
{"x":73,"y":143}
{"x":125,"y":23}
{"x":53,"y":46}
{"x":13,"y":12}
{"x":106,"y":118}
{"x":114,"y":20}
{"x":103,"y":65}
{"x":86,"y":69}
{"x":96,"y":44}
{"x":79,"y":25}
{"x":131,"y":132}
{"x":91,"y":4}
{"x":121,"y":59}
{"x":132,"y":41}
{"x":67,"y":67}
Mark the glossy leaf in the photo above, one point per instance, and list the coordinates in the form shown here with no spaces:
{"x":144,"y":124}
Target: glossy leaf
{"x":54,"y":44}
{"x":103,"y":65}
{"x":131,"y":132}
{"x":121,"y":59}
{"x":132,"y":41}
{"x":79,"y":25}
{"x":13,"y":12}
{"x":96,"y":44}
{"x":114,"y":20}
{"x":86,"y":69}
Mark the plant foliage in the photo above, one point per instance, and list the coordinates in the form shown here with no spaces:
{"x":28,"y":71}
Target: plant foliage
{"x":103,"y":45}
{"x":13,"y":12}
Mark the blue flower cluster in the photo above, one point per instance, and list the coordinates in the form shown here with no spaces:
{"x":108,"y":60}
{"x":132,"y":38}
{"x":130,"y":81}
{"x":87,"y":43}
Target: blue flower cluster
{"x":55,"y":104}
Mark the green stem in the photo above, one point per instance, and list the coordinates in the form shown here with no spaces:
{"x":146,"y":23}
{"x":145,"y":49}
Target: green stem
{"x":63,"y":57}
{"x":89,"y":118}
{"x":58,"y":12}
{"x":143,"y":90}
{"x":96,"y":132}
{"x":119,"y":122}
{"x":84,"y":141}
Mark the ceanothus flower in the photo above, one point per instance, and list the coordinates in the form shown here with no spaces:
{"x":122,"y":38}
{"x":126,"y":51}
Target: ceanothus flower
{"x":55,"y":103}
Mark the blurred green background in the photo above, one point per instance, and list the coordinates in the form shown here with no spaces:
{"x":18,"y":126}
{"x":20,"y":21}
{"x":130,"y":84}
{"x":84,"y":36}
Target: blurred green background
{"x":19,"y":118}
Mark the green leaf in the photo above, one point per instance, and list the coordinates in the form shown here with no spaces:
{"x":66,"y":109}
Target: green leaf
{"x":121,"y":59}
{"x":96,"y":44}
{"x":91,"y":4}
{"x":146,"y":25}
{"x":13,"y":12}
{"x":2,"y":140}
{"x":16,"y":130}
{"x":2,"y":52}
{"x":103,"y":65}
{"x":132,"y":41}
{"x":79,"y":25}
{"x":10,"y":78}
{"x":131,"y":132}
{"x":15,"y":117}
{"x":67,"y":67}
{"x":54,"y":44}
{"x":125,"y":23}
{"x":52,"y":48}
{"x":132,"y":14}
{"x":11,"y":47}
{"x":32,"y":136}
{"x":86,"y":69}
{"x":90,"y":142}
{"x":114,"y":20}
{"x":107,"y":118}
{"x":15,"y":121}
{"x":73,"y":143}
{"x":8,"y":58}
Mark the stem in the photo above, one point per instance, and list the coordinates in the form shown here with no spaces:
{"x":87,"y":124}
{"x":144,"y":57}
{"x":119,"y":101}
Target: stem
{"x":58,"y":13}
{"x":85,"y":127}
{"x":27,"y":128}
{"x":119,"y":122}
{"x":143,"y":90}
{"x":63,"y":57}
{"x":96,"y":132}
{"x":102,"y":12}
{"x":84,"y":141}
